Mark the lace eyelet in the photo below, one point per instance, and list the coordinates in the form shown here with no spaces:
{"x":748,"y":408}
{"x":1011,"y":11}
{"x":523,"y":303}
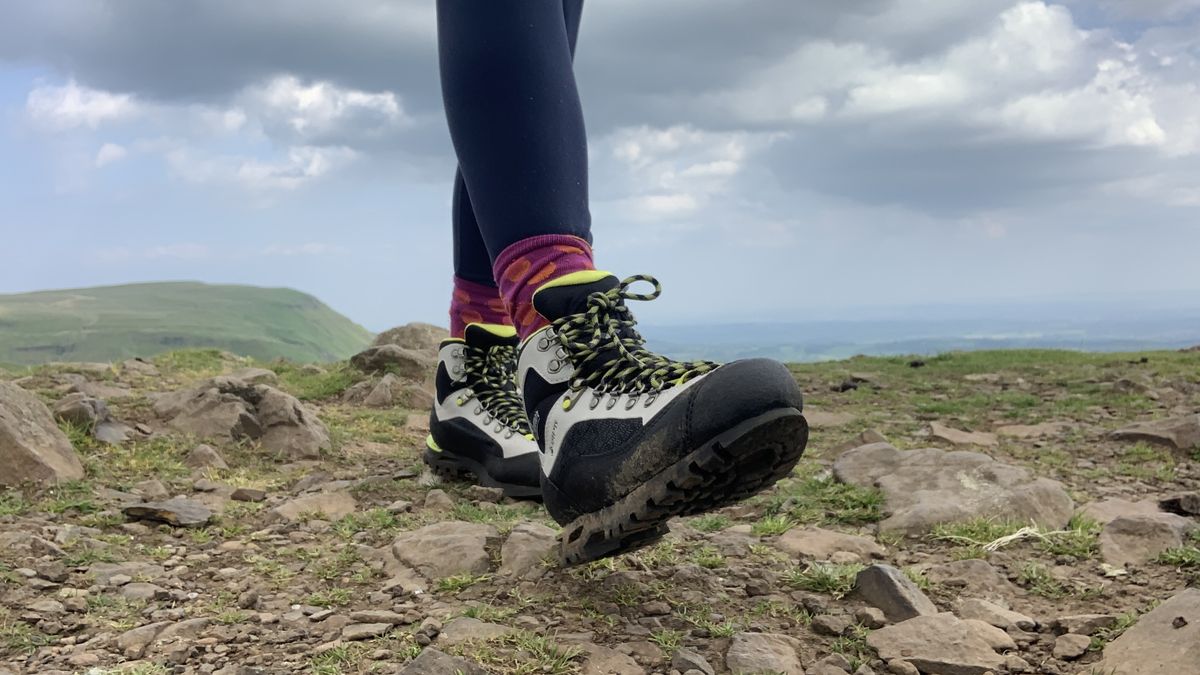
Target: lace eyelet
{"x":555,"y":366}
{"x":650,"y":400}
{"x":478,"y":410}
{"x":592,"y":405}
{"x":460,"y":402}
{"x":543,"y":344}
{"x":561,"y":352}
{"x":612,"y":403}
{"x":631,"y":402}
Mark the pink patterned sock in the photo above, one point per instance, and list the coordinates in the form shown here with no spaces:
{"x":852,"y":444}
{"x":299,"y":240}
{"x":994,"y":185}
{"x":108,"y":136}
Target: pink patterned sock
{"x":475,"y":303}
{"x":524,"y":266}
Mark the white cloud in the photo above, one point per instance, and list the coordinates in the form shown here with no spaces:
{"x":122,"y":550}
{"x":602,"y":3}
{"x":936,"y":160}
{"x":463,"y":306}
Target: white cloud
{"x":71,"y":105}
{"x":109,"y":153}
{"x":300,"y":165}
{"x":321,"y":109}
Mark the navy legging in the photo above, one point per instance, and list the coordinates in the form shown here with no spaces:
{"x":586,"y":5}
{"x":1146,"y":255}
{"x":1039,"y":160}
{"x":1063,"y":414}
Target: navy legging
{"x":517,"y":125}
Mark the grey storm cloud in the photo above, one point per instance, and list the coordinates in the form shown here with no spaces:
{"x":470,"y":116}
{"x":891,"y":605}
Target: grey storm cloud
{"x":941,"y":106}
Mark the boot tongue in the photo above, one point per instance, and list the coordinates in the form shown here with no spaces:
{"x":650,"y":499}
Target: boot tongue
{"x":568,"y":294}
{"x":490,"y":335}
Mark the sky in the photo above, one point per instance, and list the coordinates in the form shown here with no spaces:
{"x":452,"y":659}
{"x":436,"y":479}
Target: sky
{"x":766,"y":160}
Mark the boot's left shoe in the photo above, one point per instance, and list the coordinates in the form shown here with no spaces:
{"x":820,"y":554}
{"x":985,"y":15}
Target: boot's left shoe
{"x":630,"y":438}
{"x":478,"y":424}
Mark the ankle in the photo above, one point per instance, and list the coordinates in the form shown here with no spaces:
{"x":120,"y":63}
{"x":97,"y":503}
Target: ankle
{"x":475,"y":303}
{"x":525,"y":266}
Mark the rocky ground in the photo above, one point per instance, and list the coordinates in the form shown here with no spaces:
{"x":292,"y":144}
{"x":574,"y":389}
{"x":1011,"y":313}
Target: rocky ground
{"x":1003,"y":512}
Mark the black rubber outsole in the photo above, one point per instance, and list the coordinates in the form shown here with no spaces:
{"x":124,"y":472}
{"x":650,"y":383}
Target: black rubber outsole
{"x":464,"y":469}
{"x":729,"y":468}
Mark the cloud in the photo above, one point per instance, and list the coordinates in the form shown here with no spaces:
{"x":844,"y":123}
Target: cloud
{"x":70,"y":105}
{"x":322,"y":112}
{"x":300,"y":165}
{"x":109,"y":153}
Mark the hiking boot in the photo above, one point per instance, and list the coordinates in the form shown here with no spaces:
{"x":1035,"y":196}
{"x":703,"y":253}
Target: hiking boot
{"x":629,"y":438}
{"x":478,"y":424}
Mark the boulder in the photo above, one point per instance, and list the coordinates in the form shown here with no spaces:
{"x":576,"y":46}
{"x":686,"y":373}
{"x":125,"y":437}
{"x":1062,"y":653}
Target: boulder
{"x":764,"y":653}
{"x":391,"y":391}
{"x":32,"y":447}
{"x":447,"y":548}
{"x":93,"y":415}
{"x":422,"y":337}
{"x":926,"y":487}
{"x":407,"y":363}
{"x":1105,"y":511}
{"x":1181,"y":433}
{"x":230,"y":409}
{"x":1165,"y":640}
{"x":205,"y":457}
{"x":1135,"y":540}
{"x":937,"y":644}
{"x":959,"y":438}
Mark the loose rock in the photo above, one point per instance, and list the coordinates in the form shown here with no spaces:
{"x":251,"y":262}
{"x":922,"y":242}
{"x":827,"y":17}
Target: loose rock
{"x":764,"y":652}
{"x":959,"y":438}
{"x":32,"y":447}
{"x":1070,"y":646}
{"x":937,"y":644}
{"x":176,"y":512}
{"x":1164,"y":640}
{"x":527,"y":545}
{"x":927,"y":487}
{"x":1180,"y":433}
{"x":892,"y":592}
{"x":814,"y":543}
{"x":446,"y":549}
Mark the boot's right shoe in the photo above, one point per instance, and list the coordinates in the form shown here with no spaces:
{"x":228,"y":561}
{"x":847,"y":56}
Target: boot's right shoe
{"x":629,"y":438}
{"x":478,"y":424}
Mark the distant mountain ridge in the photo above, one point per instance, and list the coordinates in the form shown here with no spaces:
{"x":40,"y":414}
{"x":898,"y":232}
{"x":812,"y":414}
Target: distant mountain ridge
{"x":116,"y":322}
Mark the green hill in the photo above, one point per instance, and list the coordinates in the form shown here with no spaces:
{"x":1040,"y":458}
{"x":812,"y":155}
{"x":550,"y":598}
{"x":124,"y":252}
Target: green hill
{"x":116,"y":322}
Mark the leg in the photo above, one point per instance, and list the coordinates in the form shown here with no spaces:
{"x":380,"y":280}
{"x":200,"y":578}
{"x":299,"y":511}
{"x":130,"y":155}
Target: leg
{"x":476,"y":299}
{"x":515,"y":117}
{"x":517,"y":125}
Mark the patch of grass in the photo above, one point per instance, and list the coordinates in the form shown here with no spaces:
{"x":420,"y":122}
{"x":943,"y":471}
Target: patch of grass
{"x":853,"y":646}
{"x":669,"y":640}
{"x":971,"y":536}
{"x":125,"y":464}
{"x":712,"y":522}
{"x":73,"y":496}
{"x":490,"y":613}
{"x":331,"y":381}
{"x":832,"y":578}
{"x":813,"y":497}
{"x":380,"y":522}
{"x":1035,"y":577}
{"x":13,"y":503}
{"x":1080,"y":539}
{"x":83,"y":556}
{"x":361,"y":424}
{"x":458,"y":582}
{"x":334,"y":597}
{"x":769,"y":526}
{"x":663,"y":554}
{"x":115,"y":612}
{"x":700,"y":616}
{"x":1184,"y":557}
{"x":16,"y":636}
{"x":1146,"y":462}
{"x":918,"y":577}
{"x":1106,"y":635}
{"x":503,"y":516}
{"x":777,"y":609}
{"x":708,"y":557}
{"x":191,"y":362}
